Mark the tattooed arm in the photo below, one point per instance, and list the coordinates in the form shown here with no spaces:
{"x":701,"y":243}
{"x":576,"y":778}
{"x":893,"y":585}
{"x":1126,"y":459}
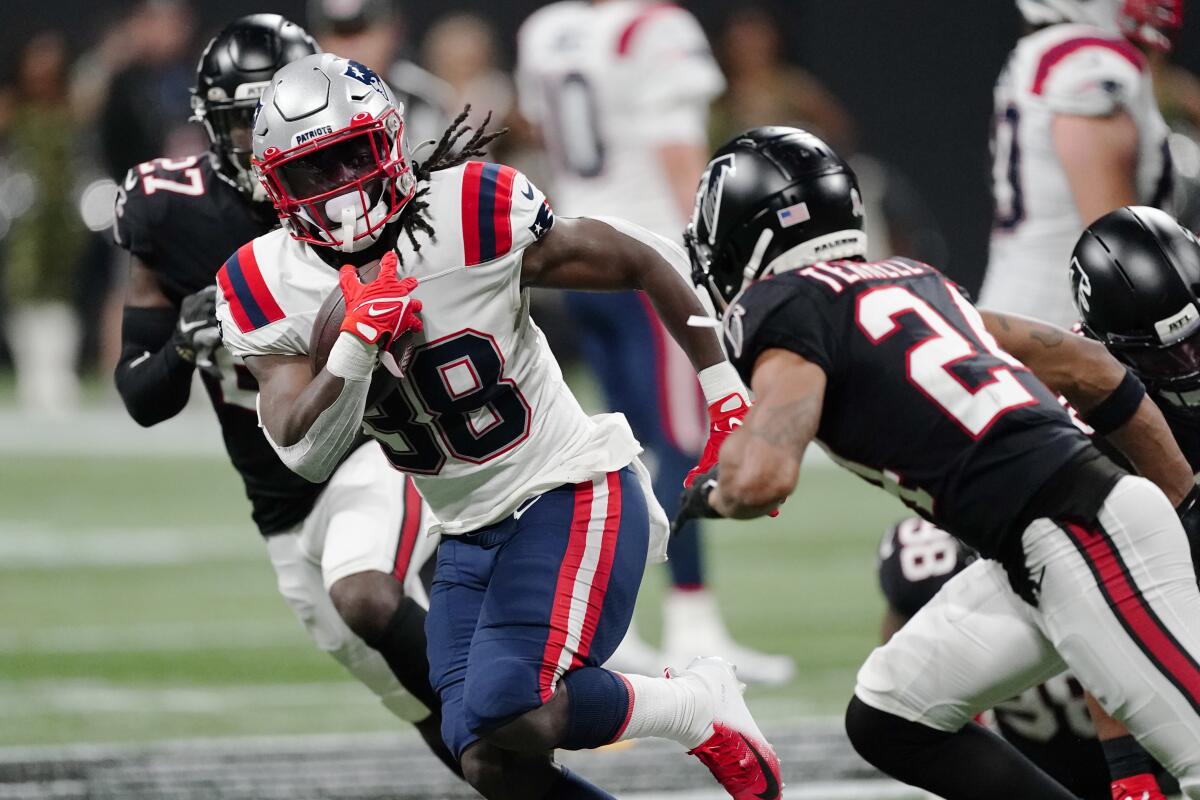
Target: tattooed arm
{"x":1084,"y":372}
{"x":1078,"y":368}
{"x":760,"y":461}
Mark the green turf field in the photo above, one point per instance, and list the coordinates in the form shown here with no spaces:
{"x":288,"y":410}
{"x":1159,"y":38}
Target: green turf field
{"x":136,"y":604}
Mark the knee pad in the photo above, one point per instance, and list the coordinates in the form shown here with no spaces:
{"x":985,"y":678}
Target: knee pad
{"x":497,"y":694}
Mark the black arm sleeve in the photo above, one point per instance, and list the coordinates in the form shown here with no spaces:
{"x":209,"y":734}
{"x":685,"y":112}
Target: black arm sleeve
{"x":153,"y":380}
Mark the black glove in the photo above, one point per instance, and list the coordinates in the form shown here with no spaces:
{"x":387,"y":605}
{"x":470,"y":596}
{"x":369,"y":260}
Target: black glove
{"x":1189,"y":515}
{"x":693,"y":503}
{"x":196,"y":334}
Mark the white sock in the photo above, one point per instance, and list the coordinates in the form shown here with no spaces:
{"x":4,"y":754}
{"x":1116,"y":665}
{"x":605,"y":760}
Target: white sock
{"x":670,"y":708}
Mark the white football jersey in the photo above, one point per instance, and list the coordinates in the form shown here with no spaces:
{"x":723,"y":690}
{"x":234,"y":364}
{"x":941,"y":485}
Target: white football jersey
{"x":607,"y":84}
{"x":482,"y":419}
{"x":1063,"y":69}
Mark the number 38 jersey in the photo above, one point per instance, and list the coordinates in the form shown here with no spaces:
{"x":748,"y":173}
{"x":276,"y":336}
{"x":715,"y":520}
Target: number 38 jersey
{"x":606,"y":84}
{"x":182,"y":220}
{"x":1075,"y":70}
{"x":919,"y":398}
{"x":482,"y":418}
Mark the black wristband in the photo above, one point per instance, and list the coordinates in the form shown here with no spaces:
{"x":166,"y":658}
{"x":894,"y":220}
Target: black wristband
{"x":1119,"y":407}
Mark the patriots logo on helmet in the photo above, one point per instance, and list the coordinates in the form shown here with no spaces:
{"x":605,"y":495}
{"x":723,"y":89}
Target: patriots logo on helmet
{"x":712,"y":185}
{"x":366,"y":76}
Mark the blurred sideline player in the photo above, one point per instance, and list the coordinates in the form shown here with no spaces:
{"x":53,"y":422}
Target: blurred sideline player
{"x":546,"y":514}
{"x":620,"y":91}
{"x":1076,"y":133}
{"x":360,"y":536}
{"x":372,"y":32}
{"x":904,"y":383}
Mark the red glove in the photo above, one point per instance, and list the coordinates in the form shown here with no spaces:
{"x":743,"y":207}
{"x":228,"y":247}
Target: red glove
{"x":724,"y":415}
{"x":379,"y":312}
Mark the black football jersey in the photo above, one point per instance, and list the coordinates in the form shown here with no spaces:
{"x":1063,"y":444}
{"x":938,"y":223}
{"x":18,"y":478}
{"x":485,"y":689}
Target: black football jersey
{"x":919,"y":398}
{"x":181,"y":219}
{"x":916,"y":558}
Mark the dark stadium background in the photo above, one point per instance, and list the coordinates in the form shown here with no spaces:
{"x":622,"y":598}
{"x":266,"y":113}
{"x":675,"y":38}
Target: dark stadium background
{"x":916,"y":74}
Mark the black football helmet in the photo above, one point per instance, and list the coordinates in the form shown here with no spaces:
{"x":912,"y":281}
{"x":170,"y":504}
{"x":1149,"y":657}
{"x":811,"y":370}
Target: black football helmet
{"x":1135,"y":276}
{"x":771,"y":199}
{"x":236,"y":67}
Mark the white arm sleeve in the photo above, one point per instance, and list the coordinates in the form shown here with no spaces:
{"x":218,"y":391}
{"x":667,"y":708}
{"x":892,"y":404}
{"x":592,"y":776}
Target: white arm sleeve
{"x":319,"y":452}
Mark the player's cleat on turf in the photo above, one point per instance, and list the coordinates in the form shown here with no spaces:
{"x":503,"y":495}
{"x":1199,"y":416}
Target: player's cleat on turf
{"x":692,"y":626}
{"x":1137,"y":787}
{"x":737,"y":754}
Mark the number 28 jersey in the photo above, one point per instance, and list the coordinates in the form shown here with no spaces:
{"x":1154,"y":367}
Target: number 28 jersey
{"x":482,"y":419}
{"x":1075,"y":70}
{"x":919,"y":398}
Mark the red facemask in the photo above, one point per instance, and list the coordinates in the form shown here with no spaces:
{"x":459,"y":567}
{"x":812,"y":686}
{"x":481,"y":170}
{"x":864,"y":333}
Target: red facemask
{"x":360,"y":167}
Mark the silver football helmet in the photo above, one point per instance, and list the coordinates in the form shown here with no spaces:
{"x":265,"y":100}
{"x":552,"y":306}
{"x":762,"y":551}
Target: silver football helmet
{"x":329,"y":149}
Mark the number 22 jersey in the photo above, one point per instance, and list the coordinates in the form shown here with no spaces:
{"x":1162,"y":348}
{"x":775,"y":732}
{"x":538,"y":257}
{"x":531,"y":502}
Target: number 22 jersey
{"x":919,"y":399}
{"x":482,"y":418}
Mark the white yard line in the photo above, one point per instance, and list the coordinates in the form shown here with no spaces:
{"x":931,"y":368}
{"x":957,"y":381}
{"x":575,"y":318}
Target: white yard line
{"x":116,"y":638}
{"x":38,"y":698}
{"x":28,"y":544}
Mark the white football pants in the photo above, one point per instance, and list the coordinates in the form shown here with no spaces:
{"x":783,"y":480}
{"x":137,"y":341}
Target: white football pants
{"x":368,"y":518}
{"x":1118,"y":605}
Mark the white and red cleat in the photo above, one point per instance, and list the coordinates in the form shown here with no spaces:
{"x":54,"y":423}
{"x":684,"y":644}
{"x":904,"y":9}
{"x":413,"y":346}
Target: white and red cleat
{"x":1137,"y":787}
{"x":737,"y":754}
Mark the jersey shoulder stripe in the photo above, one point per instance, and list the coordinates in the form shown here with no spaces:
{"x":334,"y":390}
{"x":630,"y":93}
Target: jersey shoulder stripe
{"x":486,"y":206}
{"x":625,"y":40}
{"x":250,"y":301}
{"x":1062,"y":50}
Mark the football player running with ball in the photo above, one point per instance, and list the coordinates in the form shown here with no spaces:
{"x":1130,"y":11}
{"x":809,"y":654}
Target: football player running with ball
{"x":900,"y":379}
{"x":346,"y":551}
{"x":546,"y":514}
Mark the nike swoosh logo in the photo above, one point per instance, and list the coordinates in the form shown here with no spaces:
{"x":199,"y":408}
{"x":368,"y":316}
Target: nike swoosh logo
{"x":191,"y":326}
{"x":528,"y":191}
{"x":375,"y":311}
{"x":140,"y":359}
{"x":528,"y":504}
{"x":771,"y":792}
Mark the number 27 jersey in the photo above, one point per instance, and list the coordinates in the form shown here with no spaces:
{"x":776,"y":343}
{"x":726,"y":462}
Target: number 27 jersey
{"x":919,"y":398}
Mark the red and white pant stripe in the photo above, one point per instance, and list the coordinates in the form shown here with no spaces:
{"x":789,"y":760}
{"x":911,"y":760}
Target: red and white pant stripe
{"x":582,"y":579}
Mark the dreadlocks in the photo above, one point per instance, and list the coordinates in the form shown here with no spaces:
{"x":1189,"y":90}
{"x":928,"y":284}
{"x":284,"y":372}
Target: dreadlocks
{"x":445,"y":156}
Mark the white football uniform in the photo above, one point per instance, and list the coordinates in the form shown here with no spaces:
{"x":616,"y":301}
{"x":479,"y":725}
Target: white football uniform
{"x":1077,"y":70}
{"x":607,"y":84}
{"x":482,"y":419}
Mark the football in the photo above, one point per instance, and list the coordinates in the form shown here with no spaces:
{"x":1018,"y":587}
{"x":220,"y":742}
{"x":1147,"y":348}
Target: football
{"x":328,"y":325}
